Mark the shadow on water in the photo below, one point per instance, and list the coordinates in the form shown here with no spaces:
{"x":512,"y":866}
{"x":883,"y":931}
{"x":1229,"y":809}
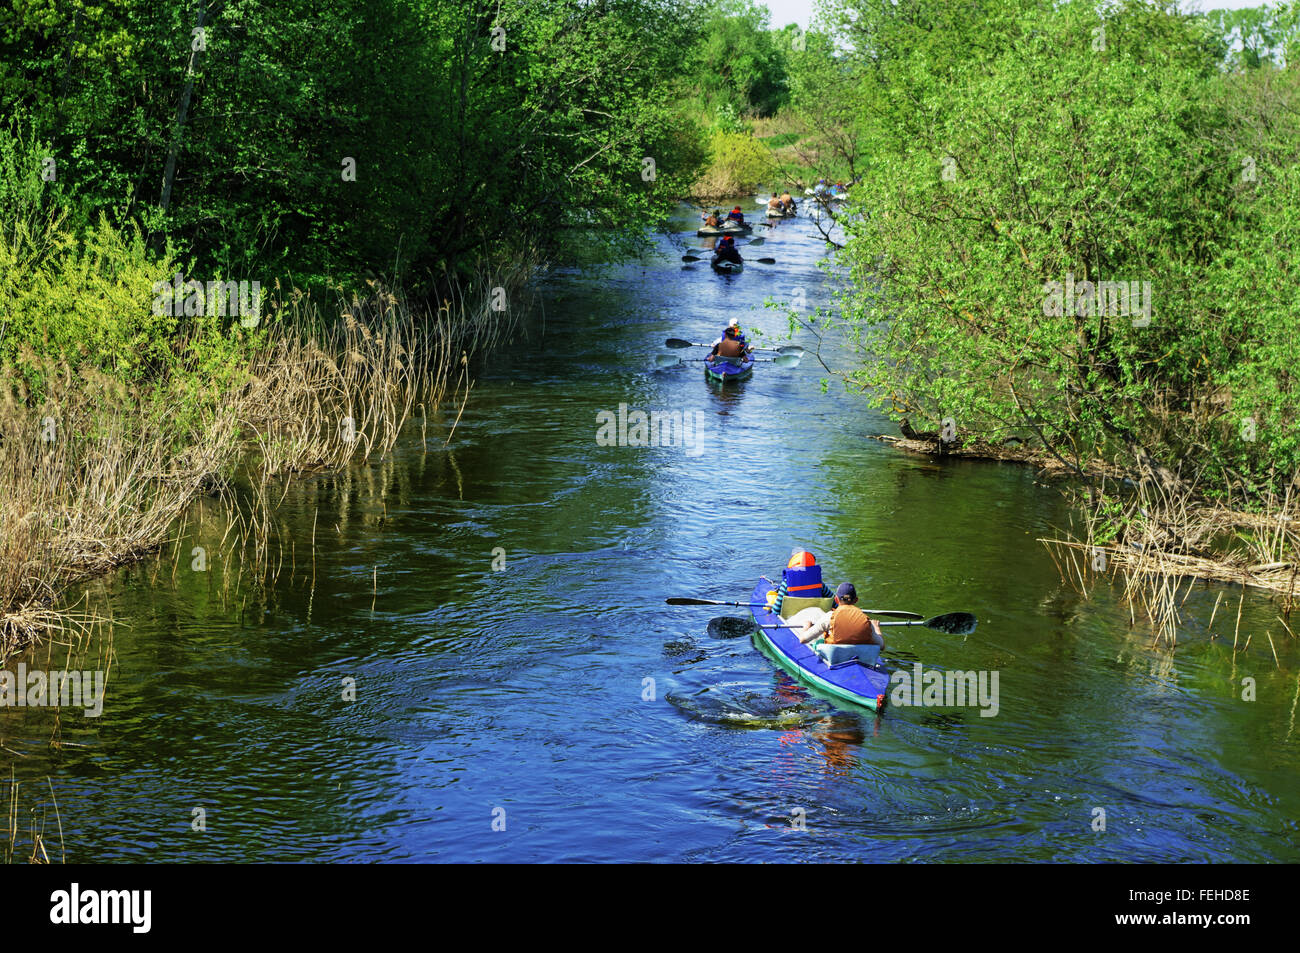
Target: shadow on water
{"x":725,"y":627}
{"x":746,"y":705}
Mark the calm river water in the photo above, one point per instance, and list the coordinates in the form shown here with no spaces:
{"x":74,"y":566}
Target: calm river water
{"x":522,"y":693}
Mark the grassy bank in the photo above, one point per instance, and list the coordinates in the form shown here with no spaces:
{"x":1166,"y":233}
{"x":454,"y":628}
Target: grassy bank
{"x":98,"y":459}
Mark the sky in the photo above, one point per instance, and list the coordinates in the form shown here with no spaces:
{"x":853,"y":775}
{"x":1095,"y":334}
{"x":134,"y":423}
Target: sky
{"x":800,"y":11}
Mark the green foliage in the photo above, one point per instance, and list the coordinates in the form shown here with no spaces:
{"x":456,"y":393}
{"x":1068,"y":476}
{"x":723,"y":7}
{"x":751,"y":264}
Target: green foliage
{"x":1255,"y":36}
{"x":738,"y":163}
{"x":1007,"y":146}
{"x":469,"y":151}
{"x":83,"y":302}
{"x":740,"y":65}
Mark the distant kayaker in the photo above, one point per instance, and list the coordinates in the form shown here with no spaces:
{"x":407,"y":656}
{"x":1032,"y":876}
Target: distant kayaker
{"x":727,"y":250}
{"x":736,"y":215}
{"x":846,"y":624}
{"x":714,"y":218}
{"x":730,"y":347}
{"x":787,"y":200}
{"x":775,"y":204}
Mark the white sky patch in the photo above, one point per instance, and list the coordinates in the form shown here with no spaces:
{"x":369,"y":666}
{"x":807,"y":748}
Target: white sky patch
{"x":789,"y":11}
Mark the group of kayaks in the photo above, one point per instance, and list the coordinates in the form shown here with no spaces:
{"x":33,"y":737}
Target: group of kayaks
{"x":854,"y":676}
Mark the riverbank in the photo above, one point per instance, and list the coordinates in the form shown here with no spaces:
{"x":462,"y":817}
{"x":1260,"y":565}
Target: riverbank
{"x":95,"y":470}
{"x":1151,"y":531}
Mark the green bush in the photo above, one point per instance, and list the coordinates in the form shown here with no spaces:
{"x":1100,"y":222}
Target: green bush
{"x":737,"y":164}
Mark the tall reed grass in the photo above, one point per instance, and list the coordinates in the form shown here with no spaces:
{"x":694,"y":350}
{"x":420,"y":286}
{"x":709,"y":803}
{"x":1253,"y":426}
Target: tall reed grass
{"x":1160,"y":538}
{"x":95,"y":472}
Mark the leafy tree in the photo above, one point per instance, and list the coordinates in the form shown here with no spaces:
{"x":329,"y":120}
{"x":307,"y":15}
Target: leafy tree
{"x":739,"y":61}
{"x":480,"y":134}
{"x":1020,"y":149}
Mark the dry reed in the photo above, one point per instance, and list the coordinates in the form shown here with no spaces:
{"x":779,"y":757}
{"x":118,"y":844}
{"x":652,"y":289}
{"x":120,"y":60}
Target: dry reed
{"x":1163,"y":532}
{"x":96,"y":474}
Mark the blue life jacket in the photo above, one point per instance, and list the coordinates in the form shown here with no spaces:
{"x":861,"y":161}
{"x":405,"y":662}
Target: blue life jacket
{"x":804,"y":582}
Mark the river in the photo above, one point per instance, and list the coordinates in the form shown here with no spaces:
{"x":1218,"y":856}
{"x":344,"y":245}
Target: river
{"x":475,"y":662}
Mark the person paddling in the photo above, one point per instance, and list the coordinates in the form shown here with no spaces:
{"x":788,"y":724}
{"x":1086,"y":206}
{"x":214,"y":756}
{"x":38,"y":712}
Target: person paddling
{"x":846,"y":624}
{"x":787,"y":201}
{"x":727,"y":251}
{"x":730,"y":348}
{"x":736,"y":215}
{"x":714,"y":218}
{"x":775,"y":205}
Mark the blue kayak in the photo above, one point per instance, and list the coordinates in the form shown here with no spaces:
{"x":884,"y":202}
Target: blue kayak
{"x":852,"y":681}
{"x":722,"y":370}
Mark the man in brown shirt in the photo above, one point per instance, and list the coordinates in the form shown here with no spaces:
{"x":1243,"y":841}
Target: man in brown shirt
{"x":846,"y":624}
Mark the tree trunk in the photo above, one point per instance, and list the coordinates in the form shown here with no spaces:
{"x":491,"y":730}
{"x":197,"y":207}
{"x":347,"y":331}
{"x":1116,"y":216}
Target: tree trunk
{"x":182,"y":108}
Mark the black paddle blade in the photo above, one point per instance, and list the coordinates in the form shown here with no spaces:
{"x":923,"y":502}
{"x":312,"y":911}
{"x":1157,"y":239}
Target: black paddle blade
{"x":766,"y":261}
{"x":954,"y":623}
{"x":688,"y":601}
{"x":689,"y":258}
{"x":679,"y":343}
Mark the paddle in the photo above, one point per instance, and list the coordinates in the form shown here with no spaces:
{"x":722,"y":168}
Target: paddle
{"x":761,"y":261}
{"x":785,"y":360}
{"x":686,"y":601}
{"x":678,"y":343}
{"x":954,"y":623}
